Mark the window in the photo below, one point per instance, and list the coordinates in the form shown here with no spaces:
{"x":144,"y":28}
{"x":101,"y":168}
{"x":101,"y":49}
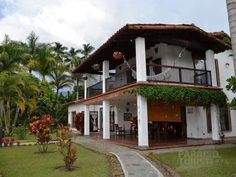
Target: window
{"x":208,"y":116}
{"x":225,"y":118}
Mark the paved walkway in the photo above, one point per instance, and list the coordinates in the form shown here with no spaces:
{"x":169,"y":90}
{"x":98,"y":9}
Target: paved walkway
{"x":133,"y":164}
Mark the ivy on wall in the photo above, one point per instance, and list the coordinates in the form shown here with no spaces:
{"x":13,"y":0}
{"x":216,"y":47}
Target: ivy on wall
{"x":183,"y":95}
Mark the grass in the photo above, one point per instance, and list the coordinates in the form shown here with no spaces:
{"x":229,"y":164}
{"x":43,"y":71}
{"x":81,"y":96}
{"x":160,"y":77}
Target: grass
{"x":31,"y":138}
{"x":207,"y":163}
{"x":24,"y":161}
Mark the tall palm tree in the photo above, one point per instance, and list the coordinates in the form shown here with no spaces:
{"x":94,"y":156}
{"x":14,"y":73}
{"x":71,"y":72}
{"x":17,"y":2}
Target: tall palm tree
{"x":44,"y":61}
{"x":60,"y":80}
{"x":231,"y":6}
{"x":73,"y":57}
{"x":86,"y":50}
{"x":30,"y":56}
{"x":11,"y":54}
{"x":74,"y":61}
{"x":60,"y":52}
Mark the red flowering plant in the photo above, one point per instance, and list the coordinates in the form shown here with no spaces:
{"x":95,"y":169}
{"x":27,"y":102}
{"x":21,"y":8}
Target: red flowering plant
{"x":41,"y":129}
{"x":65,"y":146}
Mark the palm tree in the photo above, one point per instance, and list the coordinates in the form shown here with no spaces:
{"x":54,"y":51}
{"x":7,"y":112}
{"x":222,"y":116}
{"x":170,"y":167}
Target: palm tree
{"x":86,"y":50}
{"x":30,"y":56}
{"x":74,"y":61}
{"x":15,"y":92}
{"x":44,"y":61}
{"x":60,"y":80}
{"x":73,"y":57}
{"x":11,"y":55}
{"x":60,"y":52}
{"x":231,"y":6}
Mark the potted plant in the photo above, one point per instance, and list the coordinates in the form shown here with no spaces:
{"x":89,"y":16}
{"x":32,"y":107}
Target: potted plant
{"x":118,"y":55}
{"x":96,"y":67}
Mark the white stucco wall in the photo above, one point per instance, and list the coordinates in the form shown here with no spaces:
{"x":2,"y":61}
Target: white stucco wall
{"x":80,"y":107}
{"x":196,"y":122}
{"x":121,"y":109}
{"x":168,"y":55}
{"x":196,"y":119}
{"x":226,"y":67}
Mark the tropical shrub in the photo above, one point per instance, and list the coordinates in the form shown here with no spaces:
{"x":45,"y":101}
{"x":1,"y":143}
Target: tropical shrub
{"x":20,"y":132}
{"x":65,"y":146}
{"x":41,"y":129}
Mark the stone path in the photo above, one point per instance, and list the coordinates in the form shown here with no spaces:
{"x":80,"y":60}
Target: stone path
{"x":133,"y":164}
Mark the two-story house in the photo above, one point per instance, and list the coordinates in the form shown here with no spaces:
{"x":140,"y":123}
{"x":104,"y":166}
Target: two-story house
{"x":157,"y":56}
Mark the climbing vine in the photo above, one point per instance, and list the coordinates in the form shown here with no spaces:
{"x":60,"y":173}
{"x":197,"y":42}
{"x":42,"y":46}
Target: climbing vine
{"x":183,"y":95}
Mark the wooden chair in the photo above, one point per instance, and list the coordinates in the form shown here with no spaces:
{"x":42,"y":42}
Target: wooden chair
{"x":119,"y":130}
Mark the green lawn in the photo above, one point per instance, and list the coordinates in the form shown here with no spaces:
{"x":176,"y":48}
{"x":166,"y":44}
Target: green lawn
{"x":32,"y":138}
{"x":24,"y":161}
{"x":207,"y":163}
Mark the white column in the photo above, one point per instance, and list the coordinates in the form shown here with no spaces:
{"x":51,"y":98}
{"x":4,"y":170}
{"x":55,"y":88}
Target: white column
{"x":142,"y":121}
{"x":105,"y":74}
{"x":116,"y":114}
{"x":85,"y":87}
{"x":70,"y":119}
{"x":210,"y":65}
{"x":86,"y":120}
{"x":215,"y":122}
{"x":140,"y":52}
{"x":99,"y":116}
{"x":106,"y":119}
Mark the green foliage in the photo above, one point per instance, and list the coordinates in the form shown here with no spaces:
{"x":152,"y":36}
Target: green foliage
{"x":183,"y":95}
{"x":23,"y":93}
{"x":232,"y":86}
{"x":20,"y":132}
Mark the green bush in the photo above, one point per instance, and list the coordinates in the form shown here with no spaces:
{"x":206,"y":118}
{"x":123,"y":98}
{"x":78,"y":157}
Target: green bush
{"x":20,"y":132}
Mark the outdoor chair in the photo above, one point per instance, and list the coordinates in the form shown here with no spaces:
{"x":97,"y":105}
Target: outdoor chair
{"x":119,"y":130}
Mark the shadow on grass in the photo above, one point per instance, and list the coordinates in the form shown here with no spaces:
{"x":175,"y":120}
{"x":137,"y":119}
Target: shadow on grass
{"x":47,"y":152}
{"x":63,"y":169}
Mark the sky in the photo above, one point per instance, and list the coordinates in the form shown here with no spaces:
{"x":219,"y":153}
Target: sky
{"x":74,"y":22}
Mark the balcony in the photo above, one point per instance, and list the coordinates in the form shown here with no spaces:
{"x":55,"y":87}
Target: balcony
{"x":94,"y":90}
{"x":181,"y":75}
{"x":155,"y":73}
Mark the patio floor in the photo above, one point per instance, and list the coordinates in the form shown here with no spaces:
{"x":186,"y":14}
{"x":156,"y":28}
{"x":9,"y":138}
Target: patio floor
{"x":131,"y":141}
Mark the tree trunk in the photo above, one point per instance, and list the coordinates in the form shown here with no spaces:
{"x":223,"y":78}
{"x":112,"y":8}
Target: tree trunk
{"x":2,"y":112}
{"x":8,"y":118}
{"x":16,"y":115}
{"x":231,"y":6}
{"x":77,"y":88}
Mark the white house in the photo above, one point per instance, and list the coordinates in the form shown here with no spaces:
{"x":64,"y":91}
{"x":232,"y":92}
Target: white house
{"x":156,"y":55}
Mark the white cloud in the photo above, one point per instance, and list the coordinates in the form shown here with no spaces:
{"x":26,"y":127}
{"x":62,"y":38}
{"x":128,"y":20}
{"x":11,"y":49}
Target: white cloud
{"x":73,"y":22}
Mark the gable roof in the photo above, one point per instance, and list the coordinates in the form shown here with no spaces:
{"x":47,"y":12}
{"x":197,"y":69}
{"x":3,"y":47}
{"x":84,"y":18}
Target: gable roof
{"x":185,"y":35}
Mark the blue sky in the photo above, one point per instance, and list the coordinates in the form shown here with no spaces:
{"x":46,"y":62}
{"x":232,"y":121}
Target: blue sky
{"x":74,"y":22}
